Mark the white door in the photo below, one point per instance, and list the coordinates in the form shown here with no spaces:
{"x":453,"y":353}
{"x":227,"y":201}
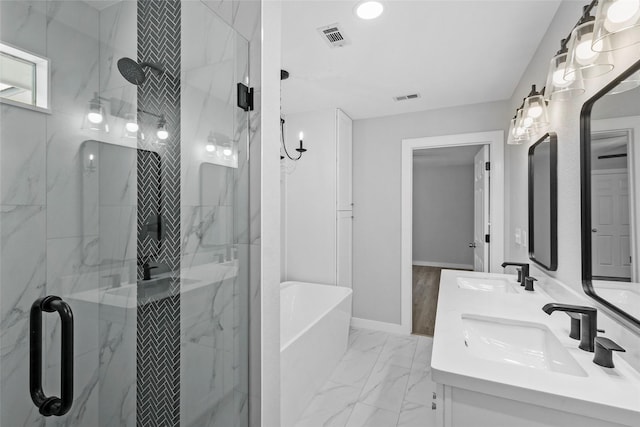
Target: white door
{"x":481,"y":211}
{"x":611,"y":250}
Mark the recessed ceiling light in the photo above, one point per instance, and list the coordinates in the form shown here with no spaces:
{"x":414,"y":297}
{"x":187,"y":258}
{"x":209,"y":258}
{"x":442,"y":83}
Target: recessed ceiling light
{"x":369,"y":9}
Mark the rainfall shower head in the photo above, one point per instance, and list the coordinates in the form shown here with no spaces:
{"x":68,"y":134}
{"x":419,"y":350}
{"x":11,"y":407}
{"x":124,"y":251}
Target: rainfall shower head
{"x":134,"y":72}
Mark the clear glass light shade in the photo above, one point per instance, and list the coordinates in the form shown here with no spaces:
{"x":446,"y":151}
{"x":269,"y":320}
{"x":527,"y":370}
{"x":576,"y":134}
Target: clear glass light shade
{"x":521,"y":132}
{"x":512,"y":138}
{"x":562,"y":87}
{"x":617,"y":25}
{"x":96,"y":118}
{"x":535,"y":112}
{"x":582,"y":57}
{"x":131,"y":126}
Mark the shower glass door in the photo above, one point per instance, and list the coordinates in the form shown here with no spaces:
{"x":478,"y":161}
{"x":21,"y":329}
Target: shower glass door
{"x":130,"y":203}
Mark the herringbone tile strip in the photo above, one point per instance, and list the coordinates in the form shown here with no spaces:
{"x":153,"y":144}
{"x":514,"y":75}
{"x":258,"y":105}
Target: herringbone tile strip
{"x":158,"y":336}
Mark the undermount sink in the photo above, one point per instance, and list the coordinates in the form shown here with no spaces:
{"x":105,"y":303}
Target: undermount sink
{"x":486,"y":284}
{"x":519,"y":343}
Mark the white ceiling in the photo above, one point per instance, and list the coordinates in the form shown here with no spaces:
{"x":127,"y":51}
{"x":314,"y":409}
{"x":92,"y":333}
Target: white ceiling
{"x":452,"y":52}
{"x":449,"y":156}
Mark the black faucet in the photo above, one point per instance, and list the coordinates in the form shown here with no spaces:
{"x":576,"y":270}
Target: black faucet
{"x":146,"y":270}
{"x":528,"y":283}
{"x":523,"y":270}
{"x":589,"y":324}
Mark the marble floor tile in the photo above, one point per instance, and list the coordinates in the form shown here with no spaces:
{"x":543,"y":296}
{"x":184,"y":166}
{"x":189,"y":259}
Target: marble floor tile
{"x":370,"y":416}
{"x":367,"y":340}
{"x":413,"y":415}
{"x":354,"y":368}
{"x":420,"y":386}
{"x":423,"y":351}
{"x":399,"y":350}
{"x":386,"y":387}
{"x":331,"y":407}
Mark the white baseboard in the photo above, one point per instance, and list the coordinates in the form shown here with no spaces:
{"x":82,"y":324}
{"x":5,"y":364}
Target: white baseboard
{"x":393,"y":328}
{"x":442,"y":265}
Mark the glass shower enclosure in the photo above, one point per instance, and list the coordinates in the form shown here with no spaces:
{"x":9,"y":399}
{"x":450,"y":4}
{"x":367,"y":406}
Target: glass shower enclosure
{"x":124,"y":215}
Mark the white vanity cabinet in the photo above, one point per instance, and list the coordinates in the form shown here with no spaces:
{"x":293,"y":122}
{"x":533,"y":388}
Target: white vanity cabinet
{"x":459,"y":407}
{"x":499,"y":360}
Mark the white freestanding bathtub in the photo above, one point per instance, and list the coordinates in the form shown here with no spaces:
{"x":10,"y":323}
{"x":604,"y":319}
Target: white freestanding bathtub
{"x":314,"y":332}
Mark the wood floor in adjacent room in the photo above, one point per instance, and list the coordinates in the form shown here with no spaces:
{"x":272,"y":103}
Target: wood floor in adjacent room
{"x":426,"y":283}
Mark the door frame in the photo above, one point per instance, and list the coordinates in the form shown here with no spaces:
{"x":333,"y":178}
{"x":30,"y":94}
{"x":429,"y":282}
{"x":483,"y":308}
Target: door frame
{"x":631,"y":125}
{"x":495,"y":141}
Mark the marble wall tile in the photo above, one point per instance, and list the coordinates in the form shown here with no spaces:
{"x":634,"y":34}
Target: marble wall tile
{"x":70,"y":195}
{"x":23,"y":24}
{"x":17,"y":408}
{"x":117,"y":372}
{"x":72,"y":46}
{"x":246,"y":19}
{"x":225,"y":9}
{"x":117,"y":246}
{"x":72,"y":267}
{"x":22,"y":159}
{"x":84,"y":411}
{"x":22,"y":269}
{"x":118,"y":38}
{"x":118,"y":176}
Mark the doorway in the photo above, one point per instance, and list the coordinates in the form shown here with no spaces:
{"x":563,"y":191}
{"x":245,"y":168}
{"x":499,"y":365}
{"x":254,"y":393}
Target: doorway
{"x":493,"y":141}
{"x":450,"y":221}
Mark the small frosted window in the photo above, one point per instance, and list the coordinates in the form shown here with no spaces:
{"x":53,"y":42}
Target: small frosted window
{"x":24,"y":78}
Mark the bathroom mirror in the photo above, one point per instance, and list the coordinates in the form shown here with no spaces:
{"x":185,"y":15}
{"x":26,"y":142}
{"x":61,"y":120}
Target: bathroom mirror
{"x":610,"y":178}
{"x":543,"y":202}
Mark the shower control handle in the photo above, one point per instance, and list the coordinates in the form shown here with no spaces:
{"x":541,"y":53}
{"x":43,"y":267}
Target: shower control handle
{"x":51,"y":405}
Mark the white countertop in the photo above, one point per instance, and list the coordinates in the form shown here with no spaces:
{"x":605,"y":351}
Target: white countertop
{"x":608,"y":394}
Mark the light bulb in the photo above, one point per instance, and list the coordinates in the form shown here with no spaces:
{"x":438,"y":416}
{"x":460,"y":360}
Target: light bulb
{"x":210,"y":147}
{"x":527,"y":121}
{"x":369,"y":10}
{"x":162,"y":134}
{"x":95,"y":117}
{"x":91,"y":157}
{"x":132,"y":127}
{"x":520,"y":131}
{"x":301,"y":135}
{"x":535,"y":111}
{"x":559,"y":77}
{"x":227,"y":151}
{"x":622,"y":10}
{"x":584,"y":51}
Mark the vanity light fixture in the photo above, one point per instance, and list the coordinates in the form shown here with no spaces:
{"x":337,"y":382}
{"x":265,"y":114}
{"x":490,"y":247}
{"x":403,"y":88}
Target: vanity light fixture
{"x":96,"y":117}
{"x":560,"y":85}
{"x":369,"y":9}
{"x":131,"y":126}
{"x":535,"y":110}
{"x":617,"y":24}
{"x":584,"y":53}
{"x":210,"y":146}
{"x":162,"y":132}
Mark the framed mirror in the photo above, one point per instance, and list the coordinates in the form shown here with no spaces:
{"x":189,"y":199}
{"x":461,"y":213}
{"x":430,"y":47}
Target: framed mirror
{"x":610,"y":187}
{"x":543,"y":202}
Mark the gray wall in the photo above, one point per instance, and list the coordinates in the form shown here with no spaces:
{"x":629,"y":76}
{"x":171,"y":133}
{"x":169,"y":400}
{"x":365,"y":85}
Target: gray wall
{"x":376,"y":196}
{"x":442,"y":213}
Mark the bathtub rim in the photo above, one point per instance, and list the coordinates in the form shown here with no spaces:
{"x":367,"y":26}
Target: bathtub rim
{"x":290,"y":283}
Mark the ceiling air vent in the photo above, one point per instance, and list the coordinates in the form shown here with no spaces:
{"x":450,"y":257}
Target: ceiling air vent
{"x":407,"y":97}
{"x":333,"y":35}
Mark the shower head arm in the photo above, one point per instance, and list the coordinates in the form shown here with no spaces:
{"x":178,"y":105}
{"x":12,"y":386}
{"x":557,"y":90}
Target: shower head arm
{"x":155,"y":66}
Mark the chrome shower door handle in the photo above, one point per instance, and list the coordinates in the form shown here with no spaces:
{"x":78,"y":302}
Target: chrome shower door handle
{"x":51,"y":405}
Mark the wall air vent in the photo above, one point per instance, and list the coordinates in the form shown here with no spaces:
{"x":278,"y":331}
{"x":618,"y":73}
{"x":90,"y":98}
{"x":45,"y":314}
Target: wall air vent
{"x":406,"y":97}
{"x":333,"y":35}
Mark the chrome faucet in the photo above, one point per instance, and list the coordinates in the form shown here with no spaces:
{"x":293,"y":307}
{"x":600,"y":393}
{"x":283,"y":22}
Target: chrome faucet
{"x":523,"y":270}
{"x":589,"y":324}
